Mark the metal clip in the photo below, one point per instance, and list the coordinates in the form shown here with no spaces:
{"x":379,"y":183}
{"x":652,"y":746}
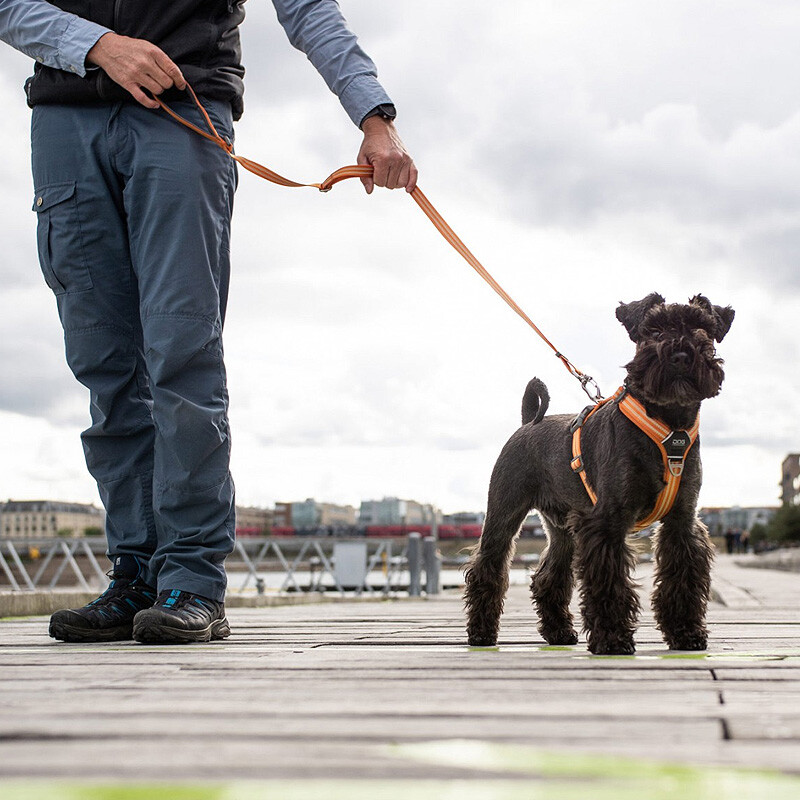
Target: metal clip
{"x":586,"y":382}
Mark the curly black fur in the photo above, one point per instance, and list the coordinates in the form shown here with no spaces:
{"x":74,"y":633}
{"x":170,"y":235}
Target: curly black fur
{"x":674,"y":369}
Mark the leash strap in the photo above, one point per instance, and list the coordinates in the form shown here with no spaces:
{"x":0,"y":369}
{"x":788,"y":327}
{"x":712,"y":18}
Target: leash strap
{"x":365,"y":171}
{"x":673,"y":446}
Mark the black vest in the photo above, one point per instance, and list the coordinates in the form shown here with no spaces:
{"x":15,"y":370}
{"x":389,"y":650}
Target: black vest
{"x":200,"y":36}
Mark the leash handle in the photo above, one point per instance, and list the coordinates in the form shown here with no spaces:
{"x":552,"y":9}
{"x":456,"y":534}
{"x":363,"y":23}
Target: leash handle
{"x":364,"y":171}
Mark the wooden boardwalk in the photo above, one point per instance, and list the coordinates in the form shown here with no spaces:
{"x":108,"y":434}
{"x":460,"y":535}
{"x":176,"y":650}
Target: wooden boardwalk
{"x":384,"y":699}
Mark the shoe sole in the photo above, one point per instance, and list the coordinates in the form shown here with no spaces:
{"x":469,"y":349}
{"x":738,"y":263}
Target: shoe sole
{"x":149,"y":631}
{"x":65,"y":632}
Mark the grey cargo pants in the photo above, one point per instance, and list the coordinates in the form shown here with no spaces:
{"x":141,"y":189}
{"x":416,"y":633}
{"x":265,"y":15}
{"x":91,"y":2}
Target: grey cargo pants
{"x":133,"y":231}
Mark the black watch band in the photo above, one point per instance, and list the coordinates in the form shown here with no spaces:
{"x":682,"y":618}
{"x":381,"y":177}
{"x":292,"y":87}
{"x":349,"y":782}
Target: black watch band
{"x":384,"y":111}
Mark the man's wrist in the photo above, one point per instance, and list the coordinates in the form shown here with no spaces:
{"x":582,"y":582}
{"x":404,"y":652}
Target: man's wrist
{"x":384,"y":111}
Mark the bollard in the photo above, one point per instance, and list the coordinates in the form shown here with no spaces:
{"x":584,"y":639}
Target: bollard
{"x":259,"y":586}
{"x":432,"y":562}
{"x":414,"y":565}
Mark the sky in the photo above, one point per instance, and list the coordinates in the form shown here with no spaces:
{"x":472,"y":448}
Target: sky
{"x":588,"y":153}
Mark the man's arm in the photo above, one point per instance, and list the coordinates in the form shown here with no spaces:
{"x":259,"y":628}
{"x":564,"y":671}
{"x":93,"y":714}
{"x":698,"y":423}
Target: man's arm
{"x":317,"y":28}
{"x":44,"y":32}
{"x":64,"y":41}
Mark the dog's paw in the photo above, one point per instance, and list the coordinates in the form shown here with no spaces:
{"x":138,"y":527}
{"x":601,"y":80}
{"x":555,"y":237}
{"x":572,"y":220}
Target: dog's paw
{"x":560,"y":636}
{"x":688,"y":641}
{"x":612,"y":645}
{"x":481,"y":635}
{"x":481,"y":641}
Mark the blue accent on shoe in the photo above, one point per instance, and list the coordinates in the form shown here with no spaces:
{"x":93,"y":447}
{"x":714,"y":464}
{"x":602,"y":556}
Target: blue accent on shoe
{"x":180,"y":616}
{"x":106,"y":618}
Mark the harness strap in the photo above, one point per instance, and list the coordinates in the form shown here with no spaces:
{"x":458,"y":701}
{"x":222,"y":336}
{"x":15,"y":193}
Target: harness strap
{"x":673,"y":446}
{"x":577,"y":460}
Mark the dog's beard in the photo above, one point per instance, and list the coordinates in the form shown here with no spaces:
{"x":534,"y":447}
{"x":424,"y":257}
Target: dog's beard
{"x":659,"y":381}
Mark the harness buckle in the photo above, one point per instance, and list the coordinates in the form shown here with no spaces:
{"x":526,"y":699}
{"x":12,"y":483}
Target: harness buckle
{"x":580,"y":419}
{"x":577,"y":464}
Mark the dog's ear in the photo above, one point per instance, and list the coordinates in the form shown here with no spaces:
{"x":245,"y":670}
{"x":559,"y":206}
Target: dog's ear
{"x":723,"y":317}
{"x":632,"y":314}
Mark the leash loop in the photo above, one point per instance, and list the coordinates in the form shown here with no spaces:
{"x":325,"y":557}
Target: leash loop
{"x":588,"y":384}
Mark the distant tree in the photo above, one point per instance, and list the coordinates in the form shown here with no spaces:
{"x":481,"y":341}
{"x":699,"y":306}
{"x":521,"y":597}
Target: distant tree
{"x":785,"y":525}
{"x":92,"y":531}
{"x":65,"y":533}
{"x":758,"y":534}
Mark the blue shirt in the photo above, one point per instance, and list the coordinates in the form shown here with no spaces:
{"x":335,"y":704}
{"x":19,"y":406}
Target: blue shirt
{"x":61,"y":40}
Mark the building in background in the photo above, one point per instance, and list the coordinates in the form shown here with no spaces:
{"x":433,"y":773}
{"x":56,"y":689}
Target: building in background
{"x":790,"y":480}
{"x":394,"y":511}
{"x":464,"y":518}
{"x":253,"y":521}
{"x":719,"y":520}
{"x":310,"y":515}
{"x":40,"y":519}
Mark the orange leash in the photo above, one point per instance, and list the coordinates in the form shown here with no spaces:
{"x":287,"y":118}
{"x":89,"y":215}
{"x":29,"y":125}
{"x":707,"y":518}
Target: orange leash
{"x":433,"y":215}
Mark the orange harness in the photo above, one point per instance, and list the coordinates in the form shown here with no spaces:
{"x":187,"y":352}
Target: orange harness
{"x":673,"y":446}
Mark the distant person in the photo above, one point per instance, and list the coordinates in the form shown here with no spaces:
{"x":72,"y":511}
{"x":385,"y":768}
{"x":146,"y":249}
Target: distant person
{"x":745,"y":541}
{"x":134,"y":215}
{"x":729,"y":540}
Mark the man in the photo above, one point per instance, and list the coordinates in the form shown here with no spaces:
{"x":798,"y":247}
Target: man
{"x":133,"y":235}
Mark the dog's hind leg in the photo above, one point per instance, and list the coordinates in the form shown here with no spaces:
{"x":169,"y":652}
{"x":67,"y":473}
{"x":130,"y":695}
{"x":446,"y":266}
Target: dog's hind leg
{"x":552,"y":584}
{"x":682,"y":581}
{"x":487,"y":571}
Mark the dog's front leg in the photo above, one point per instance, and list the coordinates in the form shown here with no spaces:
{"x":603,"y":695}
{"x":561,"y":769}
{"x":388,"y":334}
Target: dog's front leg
{"x":609,"y":603}
{"x":682,"y":581}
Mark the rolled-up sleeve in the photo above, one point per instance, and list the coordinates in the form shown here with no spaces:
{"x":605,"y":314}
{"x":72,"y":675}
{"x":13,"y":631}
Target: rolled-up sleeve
{"x":317,"y":28}
{"x":44,"y":32}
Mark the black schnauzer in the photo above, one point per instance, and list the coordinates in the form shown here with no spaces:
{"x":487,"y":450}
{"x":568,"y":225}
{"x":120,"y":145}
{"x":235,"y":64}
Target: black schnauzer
{"x":674,"y":369}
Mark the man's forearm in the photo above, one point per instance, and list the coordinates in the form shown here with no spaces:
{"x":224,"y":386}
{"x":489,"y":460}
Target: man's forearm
{"x":44,"y":32}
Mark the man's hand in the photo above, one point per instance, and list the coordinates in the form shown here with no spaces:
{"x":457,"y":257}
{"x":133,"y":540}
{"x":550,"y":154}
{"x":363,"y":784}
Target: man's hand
{"x":383,"y":149}
{"x":136,"y":64}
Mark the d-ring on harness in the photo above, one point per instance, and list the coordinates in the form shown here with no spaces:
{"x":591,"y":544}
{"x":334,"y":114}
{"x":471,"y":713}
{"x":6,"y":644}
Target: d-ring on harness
{"x":673,"y":445}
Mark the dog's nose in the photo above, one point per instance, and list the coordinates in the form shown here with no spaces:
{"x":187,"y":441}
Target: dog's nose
{"x":679,"y":359}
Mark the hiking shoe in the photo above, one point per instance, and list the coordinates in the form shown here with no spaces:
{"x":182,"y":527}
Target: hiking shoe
{"x":109,"y":618}
{"x":179,"y":617}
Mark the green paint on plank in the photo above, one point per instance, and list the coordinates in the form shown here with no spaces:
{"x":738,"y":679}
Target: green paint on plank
{"x":655,"y":784}
{"x":565,"y":775}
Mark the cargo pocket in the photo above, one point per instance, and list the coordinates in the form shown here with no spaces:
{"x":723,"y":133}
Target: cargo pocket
{"x":58,"y":233}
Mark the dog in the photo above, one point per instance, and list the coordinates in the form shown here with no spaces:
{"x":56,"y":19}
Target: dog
{"x":674,"y":369}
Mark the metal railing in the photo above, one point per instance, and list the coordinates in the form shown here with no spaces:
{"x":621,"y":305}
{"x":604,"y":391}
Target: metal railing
{"x":42,"y":564}
{"x":309,"y":565}
{"x":274,"y":565}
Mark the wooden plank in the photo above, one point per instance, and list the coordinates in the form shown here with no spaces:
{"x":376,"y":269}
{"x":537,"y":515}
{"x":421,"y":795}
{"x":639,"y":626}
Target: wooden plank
{"x":325,"y":690}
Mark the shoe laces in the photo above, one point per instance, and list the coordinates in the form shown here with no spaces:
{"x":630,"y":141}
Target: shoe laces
{"x":119,"y":588}
{"x":175,"y":599}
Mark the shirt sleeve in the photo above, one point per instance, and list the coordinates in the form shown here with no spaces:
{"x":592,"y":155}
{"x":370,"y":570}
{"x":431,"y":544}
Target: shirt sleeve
{"x":317,"y":28}
{"x":44,"y":32}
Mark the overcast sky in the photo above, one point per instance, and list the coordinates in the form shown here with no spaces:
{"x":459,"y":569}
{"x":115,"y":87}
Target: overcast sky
{"x":586,"y":152}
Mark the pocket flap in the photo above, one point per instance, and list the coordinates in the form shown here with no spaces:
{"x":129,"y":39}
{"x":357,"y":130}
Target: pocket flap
{"x":55,"y":193}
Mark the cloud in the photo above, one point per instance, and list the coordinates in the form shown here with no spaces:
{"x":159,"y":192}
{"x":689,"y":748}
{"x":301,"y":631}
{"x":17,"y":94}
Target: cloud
{"x":586,"y":152}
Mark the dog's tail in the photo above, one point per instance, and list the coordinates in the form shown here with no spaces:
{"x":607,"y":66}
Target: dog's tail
{"x":535,"y":402}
